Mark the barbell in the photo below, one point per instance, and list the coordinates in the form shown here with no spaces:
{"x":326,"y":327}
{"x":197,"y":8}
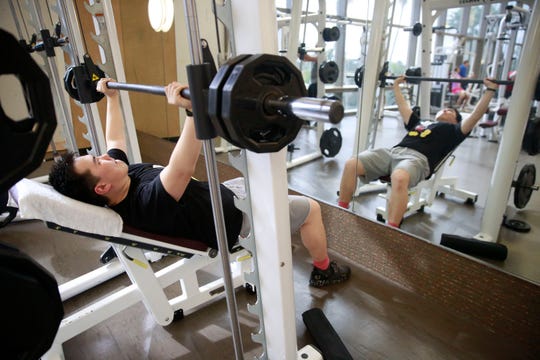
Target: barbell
{"x":257,"y":102}
{"x":413,"y":75}
{"x":416,"y":29}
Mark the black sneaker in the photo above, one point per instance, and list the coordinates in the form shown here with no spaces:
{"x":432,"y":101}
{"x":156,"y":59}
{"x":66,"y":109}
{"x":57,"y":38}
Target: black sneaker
{"x":335,"y":274}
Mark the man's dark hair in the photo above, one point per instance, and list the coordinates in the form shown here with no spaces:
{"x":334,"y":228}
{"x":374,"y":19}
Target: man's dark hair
{"x":458,"y":115}
{"x":80,"y":187}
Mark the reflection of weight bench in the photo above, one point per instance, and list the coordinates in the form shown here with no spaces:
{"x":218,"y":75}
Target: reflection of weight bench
{"x":424,"y":193}
{"x":40,"y":201}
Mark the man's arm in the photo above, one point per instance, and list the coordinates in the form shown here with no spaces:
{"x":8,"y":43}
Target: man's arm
{"x":481,"y":107}
{"x":176,"y":175}
{"x":403,"y":106}
{"x":115,"y":136}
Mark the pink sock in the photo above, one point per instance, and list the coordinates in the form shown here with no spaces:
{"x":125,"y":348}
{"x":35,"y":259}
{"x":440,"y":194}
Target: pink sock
{"x":323,"y":264}
{"x":343,"y":204}
{"x":392,"y":224}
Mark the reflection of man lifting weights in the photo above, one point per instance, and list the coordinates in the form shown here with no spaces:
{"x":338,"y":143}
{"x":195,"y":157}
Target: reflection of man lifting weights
{"x":415,"y":157}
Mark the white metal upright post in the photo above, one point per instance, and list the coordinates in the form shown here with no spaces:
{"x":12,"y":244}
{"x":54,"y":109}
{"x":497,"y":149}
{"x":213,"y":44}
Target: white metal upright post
{"x":366,"y":99}
{"x":518,"y":114}
{"x":257,"y":33}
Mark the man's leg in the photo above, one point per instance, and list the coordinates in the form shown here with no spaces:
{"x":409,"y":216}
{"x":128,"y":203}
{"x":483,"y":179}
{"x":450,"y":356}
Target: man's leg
{"x":313,"y":235}
{"x":399,"y":197}
{"x":353,"y":168}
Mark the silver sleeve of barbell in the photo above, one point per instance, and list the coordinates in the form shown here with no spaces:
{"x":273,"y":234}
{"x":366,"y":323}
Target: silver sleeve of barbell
{"x":149,"y":89}
{"x":314,"y":109}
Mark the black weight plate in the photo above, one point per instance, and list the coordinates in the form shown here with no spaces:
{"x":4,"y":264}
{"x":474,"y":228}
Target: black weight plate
{"x":243,"y":112}
{"x":24,"y":142}
{"x":69,"y":83}
{"x":330,"y":142}
{"x":517,"y":225}
{"x":417,"y":29}
{"x":329,"y":72}
{"x":331,"y":34}
{"x":359,"y":76}
{"x":215,"y":97}
{"x":523,"y":186}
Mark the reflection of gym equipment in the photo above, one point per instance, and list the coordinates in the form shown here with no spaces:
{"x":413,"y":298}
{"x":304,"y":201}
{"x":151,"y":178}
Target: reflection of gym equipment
{"x":322,"y":72}
{"x":412,"y":75}
{"x":416,"y":29}
{"x":523,"y":188}
{"x":424,"y":193}
{"x":330,"y":142}
{"x":509,"y":148}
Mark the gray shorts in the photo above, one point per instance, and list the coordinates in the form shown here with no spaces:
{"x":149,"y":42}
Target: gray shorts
{"x":382,"y":162}
{"x":298,"y":206}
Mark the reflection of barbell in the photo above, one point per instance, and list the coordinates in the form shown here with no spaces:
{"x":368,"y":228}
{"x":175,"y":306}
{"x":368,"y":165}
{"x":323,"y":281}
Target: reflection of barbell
{"x":412,"y":75}
{"x":256,"y":102}
{"x":416,"y":29}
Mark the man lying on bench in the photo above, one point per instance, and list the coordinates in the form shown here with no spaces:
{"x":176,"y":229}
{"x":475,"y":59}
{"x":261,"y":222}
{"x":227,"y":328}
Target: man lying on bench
{"x":415,"y":157}
{"x":168,"y":200}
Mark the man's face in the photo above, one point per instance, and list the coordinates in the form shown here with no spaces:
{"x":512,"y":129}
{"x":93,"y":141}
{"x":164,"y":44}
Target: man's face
{"x":103,"y":167}
{"x":446,"y":115}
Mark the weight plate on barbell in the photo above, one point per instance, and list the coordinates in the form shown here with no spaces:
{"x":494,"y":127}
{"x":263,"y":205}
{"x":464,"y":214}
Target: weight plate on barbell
{"x":359,"y":76}
{"x":330,"y":142}
{"x":523,"y":186}
{"x":248,"y":120}
{"x":215,"y":97}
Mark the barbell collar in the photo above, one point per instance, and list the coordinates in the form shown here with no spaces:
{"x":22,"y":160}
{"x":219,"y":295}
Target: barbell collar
{"x":450,"y":80}
{"x":309,"y":109}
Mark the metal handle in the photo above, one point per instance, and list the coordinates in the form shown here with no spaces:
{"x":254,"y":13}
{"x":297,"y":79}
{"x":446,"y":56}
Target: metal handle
{"x":148,"y":89}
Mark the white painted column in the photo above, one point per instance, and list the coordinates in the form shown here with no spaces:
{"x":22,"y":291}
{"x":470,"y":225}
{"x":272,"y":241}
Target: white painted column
{"x":518,"y":114}
{"x":366,"y":95}
{"x":255,"y":31}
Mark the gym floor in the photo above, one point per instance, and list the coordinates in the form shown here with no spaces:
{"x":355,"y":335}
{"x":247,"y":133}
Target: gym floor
{"x":376,"y":319}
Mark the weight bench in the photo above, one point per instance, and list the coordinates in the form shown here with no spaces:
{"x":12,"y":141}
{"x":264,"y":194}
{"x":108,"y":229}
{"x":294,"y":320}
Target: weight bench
{"x":423,"y":194}
{"x":40,"y":201}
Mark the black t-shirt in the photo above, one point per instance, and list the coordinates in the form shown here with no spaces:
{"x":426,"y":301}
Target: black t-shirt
{"x":434,"y":141}
{"x":149,"y":207}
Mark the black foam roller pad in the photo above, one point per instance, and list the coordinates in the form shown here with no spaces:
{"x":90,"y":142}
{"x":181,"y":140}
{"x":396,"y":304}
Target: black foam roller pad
{"x":326,"y":338}
{"x":475,"y":247}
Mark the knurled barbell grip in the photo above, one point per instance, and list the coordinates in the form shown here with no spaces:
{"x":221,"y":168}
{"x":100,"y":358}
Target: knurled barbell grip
{"x":309,"y":109}
{"x":148,"y":89}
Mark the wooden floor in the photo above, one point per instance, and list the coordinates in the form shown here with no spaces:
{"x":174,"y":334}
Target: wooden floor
{"x":376,"y":319}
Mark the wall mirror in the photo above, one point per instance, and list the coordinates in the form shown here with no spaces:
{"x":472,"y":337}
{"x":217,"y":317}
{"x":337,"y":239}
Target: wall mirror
{"x":470,"y":33}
